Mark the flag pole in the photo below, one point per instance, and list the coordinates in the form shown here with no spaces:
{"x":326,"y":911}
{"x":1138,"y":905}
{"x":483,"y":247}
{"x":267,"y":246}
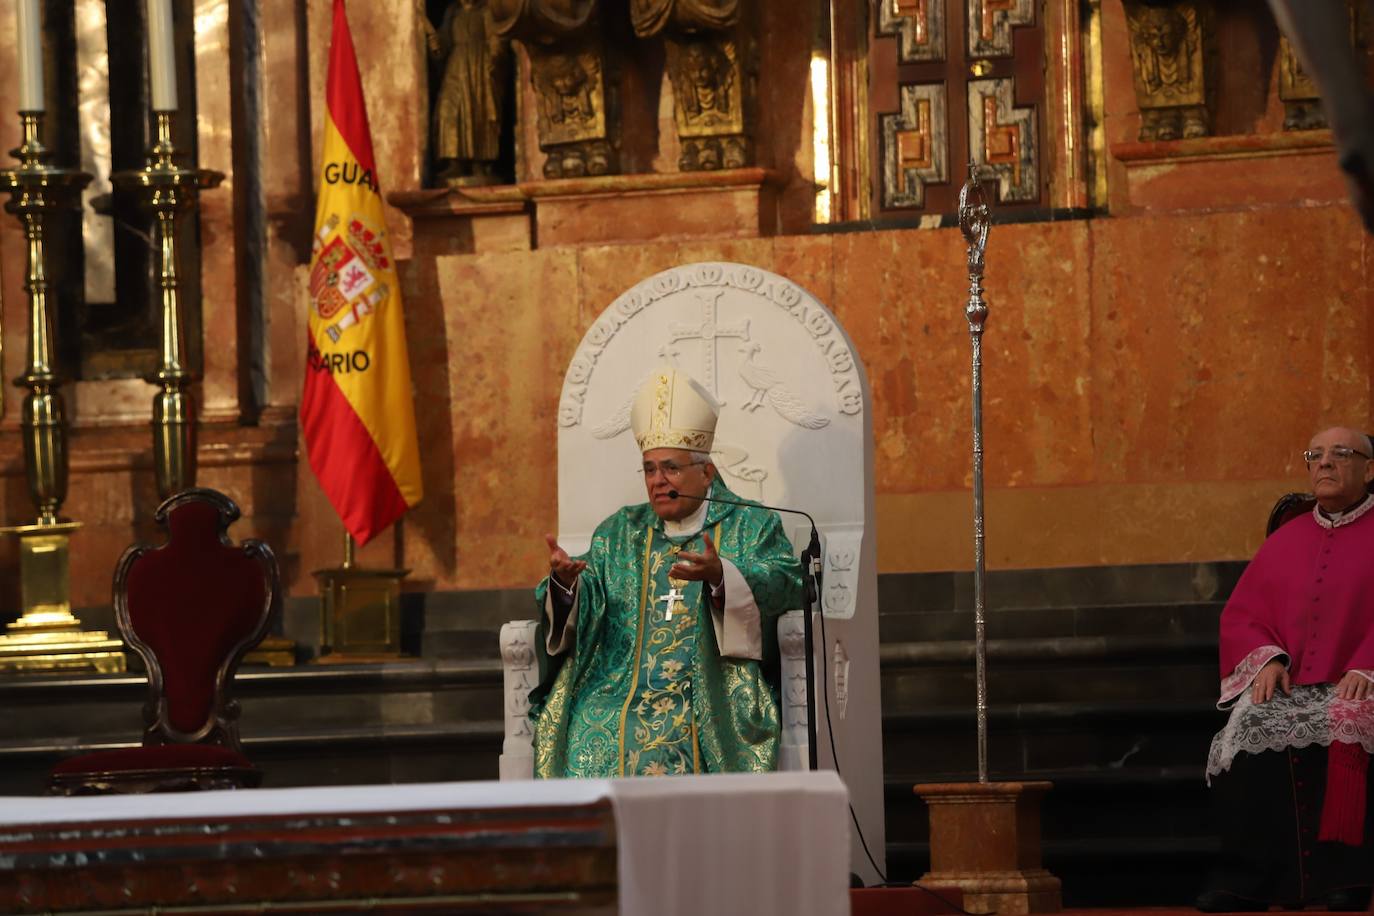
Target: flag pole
{"x":357,"y":409}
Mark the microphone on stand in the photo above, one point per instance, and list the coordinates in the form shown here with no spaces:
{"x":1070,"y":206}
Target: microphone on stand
{"x":811,"y":562}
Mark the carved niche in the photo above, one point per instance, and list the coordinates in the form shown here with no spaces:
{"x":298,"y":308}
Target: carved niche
{"x":1169,"y":44}
{"x":708,"y":50}
{"x":957,"y":100}
{"x":471,"y":94}
{"x":571,"y":72}
{"x":1302,"y":108}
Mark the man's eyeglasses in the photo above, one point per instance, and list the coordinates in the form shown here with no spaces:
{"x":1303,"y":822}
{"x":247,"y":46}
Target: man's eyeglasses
{"x":671,"y":469}
{"x":1340,"y":453}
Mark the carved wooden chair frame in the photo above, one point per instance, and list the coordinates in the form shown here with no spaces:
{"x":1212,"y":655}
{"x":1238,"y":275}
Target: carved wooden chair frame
{"x":221,"y":727}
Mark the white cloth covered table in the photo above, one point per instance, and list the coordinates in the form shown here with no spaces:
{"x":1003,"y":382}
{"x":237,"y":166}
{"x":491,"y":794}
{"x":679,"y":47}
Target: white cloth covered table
{"x":750,"y":844}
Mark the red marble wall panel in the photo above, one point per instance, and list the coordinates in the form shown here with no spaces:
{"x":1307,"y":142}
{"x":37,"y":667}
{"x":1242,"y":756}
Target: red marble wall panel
{"x":1139,"y":373}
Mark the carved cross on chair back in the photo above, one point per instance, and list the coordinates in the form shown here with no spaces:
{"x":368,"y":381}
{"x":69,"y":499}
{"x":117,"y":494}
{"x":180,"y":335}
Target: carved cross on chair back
{"x":191,"y":608}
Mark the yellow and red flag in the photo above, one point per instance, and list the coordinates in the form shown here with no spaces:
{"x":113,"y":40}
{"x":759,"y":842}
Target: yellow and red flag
{"x":357,"y":411}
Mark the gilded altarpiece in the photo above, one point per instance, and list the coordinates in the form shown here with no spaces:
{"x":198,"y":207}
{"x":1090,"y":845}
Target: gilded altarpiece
{"x":950,"y":80}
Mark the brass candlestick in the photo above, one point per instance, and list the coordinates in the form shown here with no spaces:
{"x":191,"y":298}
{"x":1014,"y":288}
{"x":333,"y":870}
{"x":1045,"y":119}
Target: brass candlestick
{"x":47,"y":636}
{"x":170,"y":190}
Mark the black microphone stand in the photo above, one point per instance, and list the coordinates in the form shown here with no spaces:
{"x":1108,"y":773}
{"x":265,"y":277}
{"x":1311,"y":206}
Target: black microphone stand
{"x":811,"y":581}
{"x":811,"y":560}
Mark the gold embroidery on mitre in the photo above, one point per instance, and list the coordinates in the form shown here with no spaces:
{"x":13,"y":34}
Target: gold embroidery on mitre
{"x":671,"y":396}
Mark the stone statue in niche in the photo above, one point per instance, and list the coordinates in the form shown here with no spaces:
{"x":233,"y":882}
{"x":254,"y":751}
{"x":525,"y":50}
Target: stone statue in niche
{"x":467,"y":110}
{"x":1168,"y":60}
{"x":703,"y":40}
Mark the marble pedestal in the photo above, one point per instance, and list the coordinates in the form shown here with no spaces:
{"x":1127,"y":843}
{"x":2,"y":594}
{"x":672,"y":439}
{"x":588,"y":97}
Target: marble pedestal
{"x":985,"y":840}
{"x":734,"y":203}
{"x":468,"y":221}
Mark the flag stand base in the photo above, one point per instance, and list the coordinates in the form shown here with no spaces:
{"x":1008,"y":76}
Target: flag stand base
{"x":361,"y":615}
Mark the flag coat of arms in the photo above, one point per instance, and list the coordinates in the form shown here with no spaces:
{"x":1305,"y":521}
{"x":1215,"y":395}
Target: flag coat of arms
{"x":357,"y":411}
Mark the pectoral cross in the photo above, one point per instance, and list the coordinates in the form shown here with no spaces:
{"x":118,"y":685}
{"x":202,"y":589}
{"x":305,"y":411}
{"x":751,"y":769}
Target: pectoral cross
{"x":675,"y":595}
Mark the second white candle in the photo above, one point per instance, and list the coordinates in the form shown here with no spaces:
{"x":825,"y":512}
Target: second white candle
{"x":30,"y":56}
{"x":162,"y":64}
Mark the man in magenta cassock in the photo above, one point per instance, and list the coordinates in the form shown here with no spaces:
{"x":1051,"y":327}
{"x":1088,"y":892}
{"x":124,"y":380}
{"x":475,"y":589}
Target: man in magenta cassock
{"x":1290,"y":771}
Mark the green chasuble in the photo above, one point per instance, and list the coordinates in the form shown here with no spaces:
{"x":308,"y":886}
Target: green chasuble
{"x":644,"y":689}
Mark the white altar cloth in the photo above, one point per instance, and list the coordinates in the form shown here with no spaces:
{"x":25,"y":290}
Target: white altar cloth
{"x":750,"y":844}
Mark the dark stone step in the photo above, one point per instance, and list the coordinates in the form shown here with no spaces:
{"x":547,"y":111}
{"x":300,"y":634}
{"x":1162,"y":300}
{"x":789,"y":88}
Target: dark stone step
{"x":1167,"y":649}
{"x":1152,"y":619}
{"x":339,"y":756}
{"x":103,"y":708}
{"x":1082,"y":586}
{"x":915,"y":688}
{"x":1034,"y":737}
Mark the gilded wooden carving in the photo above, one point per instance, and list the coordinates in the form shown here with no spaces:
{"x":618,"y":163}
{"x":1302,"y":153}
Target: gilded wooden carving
{"x":707,"y":56}
{"x":1002,"y":138}
{"x":918,"y":26}
{"x":575,"y":74}
{"x":708,"y":96}
{"x":915,"y":145}
{"x":1168,"y":60}
{"x":651,"y":17}
{"x":577,"y":110}
{"x":1302,"y":108}
{"x":573,"y":110}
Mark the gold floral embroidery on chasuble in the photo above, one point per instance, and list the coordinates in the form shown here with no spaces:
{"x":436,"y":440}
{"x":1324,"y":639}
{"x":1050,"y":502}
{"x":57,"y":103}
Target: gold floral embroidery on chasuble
{"x":657,"y":731}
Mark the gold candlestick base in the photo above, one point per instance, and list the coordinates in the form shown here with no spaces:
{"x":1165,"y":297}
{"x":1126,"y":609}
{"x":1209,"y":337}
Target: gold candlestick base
{"x":48,"y":637}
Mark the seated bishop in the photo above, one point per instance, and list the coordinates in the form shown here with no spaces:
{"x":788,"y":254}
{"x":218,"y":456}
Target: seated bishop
{"x":1290,"y":771}
{"x":658,"y":647}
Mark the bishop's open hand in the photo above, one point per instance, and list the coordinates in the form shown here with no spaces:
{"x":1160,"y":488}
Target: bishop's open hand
{"x":700,"y":567}
{"x":563,"y":568}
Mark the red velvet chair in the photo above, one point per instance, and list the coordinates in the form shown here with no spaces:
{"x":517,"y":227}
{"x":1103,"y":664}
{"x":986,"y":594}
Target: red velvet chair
{"x":191,"y":608}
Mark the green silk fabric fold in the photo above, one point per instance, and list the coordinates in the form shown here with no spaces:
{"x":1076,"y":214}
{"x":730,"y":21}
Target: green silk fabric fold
{"x":645,"y":692}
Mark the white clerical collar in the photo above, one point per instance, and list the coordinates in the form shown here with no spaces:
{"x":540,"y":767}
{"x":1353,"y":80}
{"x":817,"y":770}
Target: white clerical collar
{"x":690,"y":525}
{"x":1343,"y":518}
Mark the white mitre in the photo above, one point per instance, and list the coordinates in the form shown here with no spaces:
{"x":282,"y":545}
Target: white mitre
{"x":673,"y":411}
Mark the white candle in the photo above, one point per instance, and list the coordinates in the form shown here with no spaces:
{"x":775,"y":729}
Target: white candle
{"x":162,"y":64}
{"x":30,"y":56}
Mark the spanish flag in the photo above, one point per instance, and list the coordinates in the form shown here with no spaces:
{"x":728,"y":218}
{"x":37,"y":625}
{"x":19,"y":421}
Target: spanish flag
{"x":357,"y":411}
